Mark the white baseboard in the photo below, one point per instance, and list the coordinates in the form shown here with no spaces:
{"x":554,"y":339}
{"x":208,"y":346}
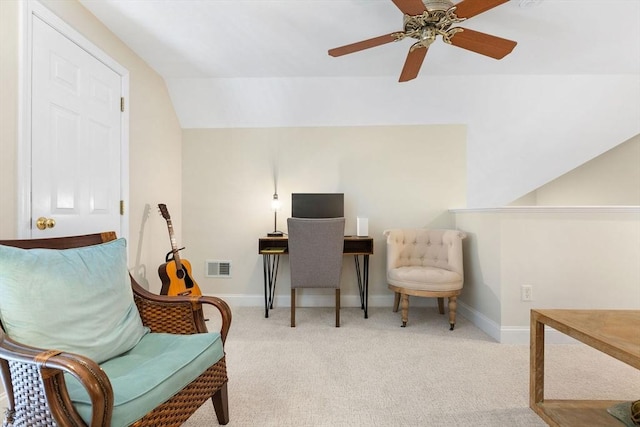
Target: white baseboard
{"x":326,"y":299}
{"x":502,"y":334}
{"x":510,"y":334}
{"x":485,"y":324}
{"x":521,"y":335}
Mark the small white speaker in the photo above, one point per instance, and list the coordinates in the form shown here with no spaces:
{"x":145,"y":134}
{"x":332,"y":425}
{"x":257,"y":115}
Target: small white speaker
{"x":362,"y":226}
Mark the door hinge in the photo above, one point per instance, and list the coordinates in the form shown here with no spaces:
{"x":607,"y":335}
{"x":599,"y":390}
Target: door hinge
{"x":122,"y":104}
{"x":121,"y":207}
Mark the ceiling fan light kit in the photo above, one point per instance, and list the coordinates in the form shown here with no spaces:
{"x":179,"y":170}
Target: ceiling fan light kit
{"x":424,"y":20}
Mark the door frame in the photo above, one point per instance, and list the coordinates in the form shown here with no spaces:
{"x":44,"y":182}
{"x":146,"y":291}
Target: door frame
{"x":29,"y":9}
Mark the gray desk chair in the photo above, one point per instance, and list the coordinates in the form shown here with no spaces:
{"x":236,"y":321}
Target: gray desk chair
{"x":315,"y":256}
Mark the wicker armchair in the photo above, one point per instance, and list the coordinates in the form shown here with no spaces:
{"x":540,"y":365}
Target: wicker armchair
{"x":34,"y":378}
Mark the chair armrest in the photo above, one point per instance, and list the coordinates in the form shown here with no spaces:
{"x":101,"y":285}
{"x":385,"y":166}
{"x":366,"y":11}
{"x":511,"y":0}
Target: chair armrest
{"x":29,"y":372}
{"x":178,"y":314}
{"x":453,"y":238}
{"x":395,"y":246}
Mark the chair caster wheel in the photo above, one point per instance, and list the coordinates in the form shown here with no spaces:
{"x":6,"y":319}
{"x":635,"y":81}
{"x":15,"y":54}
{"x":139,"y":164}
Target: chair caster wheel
{"x":452,"y":326}
{"x":404,"y":325}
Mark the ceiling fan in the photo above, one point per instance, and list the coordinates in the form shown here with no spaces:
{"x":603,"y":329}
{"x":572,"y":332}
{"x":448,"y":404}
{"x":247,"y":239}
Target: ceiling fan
{"x":424,"y":20}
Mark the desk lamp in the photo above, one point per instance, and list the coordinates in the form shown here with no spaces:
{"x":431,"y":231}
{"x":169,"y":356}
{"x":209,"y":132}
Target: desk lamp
{"x":275,"y":206}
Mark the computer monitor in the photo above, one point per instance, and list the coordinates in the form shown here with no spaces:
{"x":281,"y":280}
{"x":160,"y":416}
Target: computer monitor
{"x":317,"y":205}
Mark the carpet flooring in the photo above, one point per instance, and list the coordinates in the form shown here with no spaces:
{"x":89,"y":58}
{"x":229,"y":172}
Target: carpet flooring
{"x":372,"y":372}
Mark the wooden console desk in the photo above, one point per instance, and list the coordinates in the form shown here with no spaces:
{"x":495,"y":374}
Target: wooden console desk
{"x":272,"y":247}
{"x":613,"y":332}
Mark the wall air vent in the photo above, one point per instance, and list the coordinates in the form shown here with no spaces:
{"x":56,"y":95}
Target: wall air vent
{"x":217,"y":268}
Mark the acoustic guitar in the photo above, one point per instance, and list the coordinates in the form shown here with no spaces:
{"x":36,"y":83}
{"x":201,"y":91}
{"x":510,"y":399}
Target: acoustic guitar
{"x":175,"y":273}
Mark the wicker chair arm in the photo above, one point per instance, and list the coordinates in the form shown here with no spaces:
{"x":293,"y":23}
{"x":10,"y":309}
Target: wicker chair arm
{"x":178,"y":314}
{"x":224,"y":310}
{"x":29,"y":371}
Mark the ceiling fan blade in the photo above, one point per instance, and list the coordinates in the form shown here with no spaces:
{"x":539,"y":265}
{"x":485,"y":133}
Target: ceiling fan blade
{"x":362,"y":45}
{"x":413,"y":63}
{"x":469,"y":8}
{"x":410,"y":7}
{"x":484,"y":44}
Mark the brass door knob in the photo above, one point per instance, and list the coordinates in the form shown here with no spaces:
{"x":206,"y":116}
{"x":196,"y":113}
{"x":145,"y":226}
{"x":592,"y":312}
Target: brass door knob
{"x":43,"y":223}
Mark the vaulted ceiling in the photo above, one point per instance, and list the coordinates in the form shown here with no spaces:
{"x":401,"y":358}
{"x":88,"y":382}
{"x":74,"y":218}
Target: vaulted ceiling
{"x":290,"y":38}
{"x":568,"y":92}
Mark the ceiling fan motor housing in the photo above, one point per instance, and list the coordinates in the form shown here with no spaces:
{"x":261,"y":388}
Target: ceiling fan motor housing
{"x":437,"y":19}
{"x":437,"y":5}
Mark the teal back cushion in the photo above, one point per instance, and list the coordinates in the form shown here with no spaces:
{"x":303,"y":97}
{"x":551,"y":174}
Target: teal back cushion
{"x":76,"y":300}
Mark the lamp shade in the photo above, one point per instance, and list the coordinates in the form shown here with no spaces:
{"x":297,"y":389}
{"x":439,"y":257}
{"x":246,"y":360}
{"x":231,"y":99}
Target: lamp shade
{"x":275,"y":207}
{"x":275,"y":203}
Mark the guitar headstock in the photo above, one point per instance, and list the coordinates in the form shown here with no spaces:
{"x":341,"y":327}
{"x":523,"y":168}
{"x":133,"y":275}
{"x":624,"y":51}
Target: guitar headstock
{"x":164,"y":211}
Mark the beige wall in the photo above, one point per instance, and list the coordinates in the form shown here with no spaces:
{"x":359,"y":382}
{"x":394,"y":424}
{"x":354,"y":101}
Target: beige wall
{"x":577,"y":257}
{"x":154,"y":144}
{"x":401,"y":176}
{"x":8,"y":116}
{"x":482,"y":251}
{"x":576,"y":241}
{"x":611,"y":179}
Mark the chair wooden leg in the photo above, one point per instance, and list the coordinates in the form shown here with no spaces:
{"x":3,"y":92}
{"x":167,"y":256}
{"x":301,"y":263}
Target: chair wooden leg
{"x":453,"y":305}
{"x":293,"y":307}
{"x":441,"y":305}
{"x":405,"y":309}
{"x":337,"y":307}
{"x":221,"y":405}
{"x":396,"y":302}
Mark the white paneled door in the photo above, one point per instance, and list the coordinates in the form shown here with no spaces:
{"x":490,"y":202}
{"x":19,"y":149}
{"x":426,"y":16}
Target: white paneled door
{"x":75,"y":138}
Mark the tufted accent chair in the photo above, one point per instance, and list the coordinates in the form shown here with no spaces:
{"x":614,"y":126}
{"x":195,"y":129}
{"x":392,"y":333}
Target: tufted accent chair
{"x":426,"y":263}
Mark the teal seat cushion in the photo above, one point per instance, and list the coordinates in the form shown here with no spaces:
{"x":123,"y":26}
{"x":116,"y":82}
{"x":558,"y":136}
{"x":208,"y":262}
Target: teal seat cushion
{"x":151,"y":373}
{"x":77,"y":300}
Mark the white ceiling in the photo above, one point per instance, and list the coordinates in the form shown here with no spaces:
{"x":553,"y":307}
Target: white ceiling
{"x":530,"y":117}
{"x":290,"y":38}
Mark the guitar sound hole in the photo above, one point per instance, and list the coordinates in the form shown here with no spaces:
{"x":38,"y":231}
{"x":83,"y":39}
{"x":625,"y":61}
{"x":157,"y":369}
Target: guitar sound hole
{"x":180,"y":274}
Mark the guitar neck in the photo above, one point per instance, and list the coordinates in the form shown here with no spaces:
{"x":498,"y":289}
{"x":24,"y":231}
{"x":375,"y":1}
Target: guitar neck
{"x":174,"y":246}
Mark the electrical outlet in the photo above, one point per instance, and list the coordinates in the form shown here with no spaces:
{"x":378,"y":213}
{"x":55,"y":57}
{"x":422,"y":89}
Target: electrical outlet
{"x":526,"y":293}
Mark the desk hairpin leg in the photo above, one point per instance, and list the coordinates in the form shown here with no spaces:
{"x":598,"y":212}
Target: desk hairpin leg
{"x":363,"y":283}
{"x":270,"y":263}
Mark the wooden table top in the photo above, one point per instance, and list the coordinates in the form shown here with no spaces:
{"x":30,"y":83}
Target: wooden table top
{"x":614,"y":332}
